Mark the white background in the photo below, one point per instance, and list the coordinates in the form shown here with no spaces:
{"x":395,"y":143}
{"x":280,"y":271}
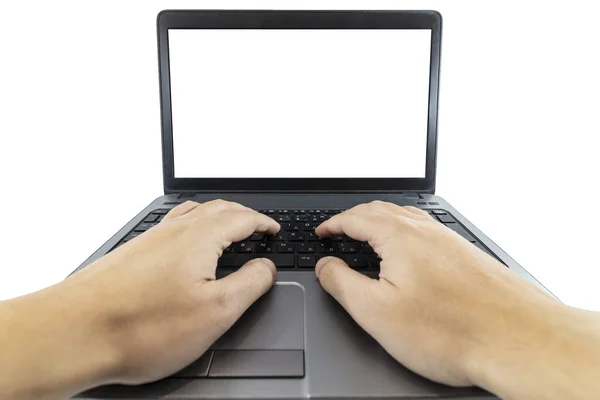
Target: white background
{"x":361,"y":96}
{"x":518,"y":147}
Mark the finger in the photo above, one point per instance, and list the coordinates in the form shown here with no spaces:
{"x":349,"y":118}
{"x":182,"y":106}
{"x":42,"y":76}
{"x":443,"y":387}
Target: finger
{"x":240,"y":289}
{"x":343,"y":283}
{"x":181,"y":209}
{"x":216,"y":207}
{"x":236,"y":225}
{"x":360,"y":225}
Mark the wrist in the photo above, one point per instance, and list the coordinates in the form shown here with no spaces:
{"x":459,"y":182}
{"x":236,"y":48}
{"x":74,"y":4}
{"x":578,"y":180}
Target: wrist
{"x":67,"y":327}
{"x":537,"y":341}
{"x":92,"y":320}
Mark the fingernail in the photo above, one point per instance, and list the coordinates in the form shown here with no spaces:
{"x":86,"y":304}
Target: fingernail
{"x":321,"y":263}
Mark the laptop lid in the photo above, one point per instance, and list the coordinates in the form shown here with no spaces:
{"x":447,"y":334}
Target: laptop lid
{"x":308,"y":101}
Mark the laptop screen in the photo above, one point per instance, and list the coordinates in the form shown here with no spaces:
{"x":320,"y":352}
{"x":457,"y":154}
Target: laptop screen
{"x":310,"y":103}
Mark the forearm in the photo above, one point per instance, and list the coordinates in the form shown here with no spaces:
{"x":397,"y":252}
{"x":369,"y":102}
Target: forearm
{"x":554,"y":354}
{"x":54,"y":343}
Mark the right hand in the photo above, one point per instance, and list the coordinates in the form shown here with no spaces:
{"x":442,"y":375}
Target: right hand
{"x":440,"y":303}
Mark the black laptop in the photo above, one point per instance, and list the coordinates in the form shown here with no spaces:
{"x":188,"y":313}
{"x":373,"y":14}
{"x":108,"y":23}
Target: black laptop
{"x":299,"y":115}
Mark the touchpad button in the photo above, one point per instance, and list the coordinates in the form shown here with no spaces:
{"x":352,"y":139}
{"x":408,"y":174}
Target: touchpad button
{"x":257,"y":364}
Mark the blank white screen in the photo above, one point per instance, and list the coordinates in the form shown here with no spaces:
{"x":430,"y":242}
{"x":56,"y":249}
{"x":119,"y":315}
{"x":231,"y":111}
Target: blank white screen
{"x":299,"y":103}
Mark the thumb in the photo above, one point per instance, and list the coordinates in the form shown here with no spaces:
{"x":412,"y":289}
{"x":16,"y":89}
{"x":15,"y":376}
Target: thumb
{"x":240,"y":289}
{"x":343,"y":283}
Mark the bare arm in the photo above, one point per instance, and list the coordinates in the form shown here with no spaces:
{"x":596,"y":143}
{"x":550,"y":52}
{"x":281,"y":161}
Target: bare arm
{"x":452,"y":313}
{"x":140,"y":313}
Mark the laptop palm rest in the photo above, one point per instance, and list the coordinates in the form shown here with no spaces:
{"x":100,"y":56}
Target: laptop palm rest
{"x":267,"y":341}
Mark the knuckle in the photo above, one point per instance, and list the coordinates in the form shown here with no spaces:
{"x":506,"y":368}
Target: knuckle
{"x":356,"y":208}
{"x":219,"y":202}
{"x":416,"y":210}
{"x":264,"y":269}
{"x":398,"y":223}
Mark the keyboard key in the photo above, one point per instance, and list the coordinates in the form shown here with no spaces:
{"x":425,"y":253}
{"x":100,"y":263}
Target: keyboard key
{"x":244,"y":247}
{"x":306,"y":261}
{"x":337,"y":238}
{"x":374,"y":261}
{"x":237,"y":260}
{"x":311,"y":236}
{"x":234,"y":260}
{"x":308,"y":226}
{"x":438,"y":212}
{"x":366,"y":248}
{"x":356,"y":261}
{"x":290,"y":227}
{"x":349,"y":239}
{"x":257,"y":237}
{"x":228,"y":249}
{"x":286,"y":247}
{"x":300,"y":218}
{"x":306,"y":248}
{"x":281,"y":260}
{"x":283,"y":218}
{"x":278,"y":237}
{"x":446,"y":219}
{"x":151,"y":218}
{"x":348,"y":248}
{"x":265,"y":247}
{"x":143,"y":227}
{"x":132,"y":235}
{"x":161,"y":211}
{"x":327,"y":248}
{"x":296,"y":237}
{"x":461,"y":231}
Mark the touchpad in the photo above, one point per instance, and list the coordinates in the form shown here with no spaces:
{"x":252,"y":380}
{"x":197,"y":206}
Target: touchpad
{"x":267,"y":341}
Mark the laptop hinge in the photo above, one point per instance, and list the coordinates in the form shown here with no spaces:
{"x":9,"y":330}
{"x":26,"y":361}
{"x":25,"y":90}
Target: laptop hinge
{"x":187,"y":196}
{"x":190,"y":195}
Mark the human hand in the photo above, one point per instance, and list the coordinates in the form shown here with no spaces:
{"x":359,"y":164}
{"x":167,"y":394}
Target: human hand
{"x":440,"y":305}
{"x":160,"y":293}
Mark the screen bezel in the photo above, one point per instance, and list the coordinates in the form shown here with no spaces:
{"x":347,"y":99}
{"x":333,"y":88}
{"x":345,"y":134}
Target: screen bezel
{"x":255,"y":19}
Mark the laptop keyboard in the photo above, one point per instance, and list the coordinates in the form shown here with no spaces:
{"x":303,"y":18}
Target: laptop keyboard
{"x":296,"y":246}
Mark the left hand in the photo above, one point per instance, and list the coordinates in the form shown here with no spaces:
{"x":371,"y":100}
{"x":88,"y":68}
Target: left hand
{"x":164,"y":305}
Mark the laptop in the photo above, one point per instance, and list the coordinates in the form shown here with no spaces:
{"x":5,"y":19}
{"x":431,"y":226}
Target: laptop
{"x":299,"y":115}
